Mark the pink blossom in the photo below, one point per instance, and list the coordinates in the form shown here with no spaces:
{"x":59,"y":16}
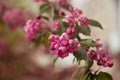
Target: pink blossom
{"x":62,"y":45}
{"x":31,"y":28}
{"x":87,"y":48}
{"x":76,"y":16}
{"x":83,"y":20}
{"x":70,"y":30}
{"x":102,"y":57}
{"x":70,"y":20}
{"x":73,"y":45}
{"x":62,"y":13}
{"x":56,"y":24}
{"x":62,"y":2}
{"x":75,"y":12}
{"x":98,"y":43}
{"x":53,"y":38}
{"x":93,"y":55}
{"x":15,"y":18}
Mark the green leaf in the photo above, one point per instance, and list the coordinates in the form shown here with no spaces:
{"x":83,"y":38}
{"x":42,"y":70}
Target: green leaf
{"x":45,"y":40}
{"x":92,"y":76}
{"x":81,"y":54}
{"x":37,"y":41}
{"x":46,"y":8}
{"x":56,"y":11}
{"x":84,"y":30}
{"x":104,"y":76}
{"x":88,"y":42}
{"x":79,"y":77}
{"x":64,"y":24}
{"x":55,"y":59}
{"x":67,"y":6}
{"x":86,"y":75}
{"x":45,"y":17}
{"x":58,"y":17}
{"x":89,"y":63}
{"x":95,"y":23}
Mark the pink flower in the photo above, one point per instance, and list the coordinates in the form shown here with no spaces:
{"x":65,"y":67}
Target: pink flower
{"x":70,"y":20}
{"x":15,"y":18}
{"x":53,"y":38}
{"x":56,"y":24}
{"x":75,"y":12}
{"x":101,"y":56}
{"x":62,"y":2}
{"x":87,"y":48}
{"x":70,"y":30}
{"x":93,"y":55}
{"x":62,"y":45}
{"x":31,"y":28}
{"x":73,"y":45}
{"x":83,"y":20}
{"x":62,"y":13}
{"x":76,"y":16}
{"x":98,"y":43}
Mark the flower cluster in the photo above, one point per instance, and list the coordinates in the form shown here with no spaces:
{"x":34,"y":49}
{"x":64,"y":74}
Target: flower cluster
{"x":76,"y":16}
{"x":101,"y":56}
{"x":32,"y":27}
{"x":15,"y":18}
{"x":62,"y":31}
{"x":62,"y":45}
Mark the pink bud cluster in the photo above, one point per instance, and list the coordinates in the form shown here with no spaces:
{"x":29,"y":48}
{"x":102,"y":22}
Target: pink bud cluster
{"x":101,"y":56}
{"x":76,"y":16}
{"x":70,"y":30}
{"x":15,"y":18}
{"x":62,"y":13}
{"x":32,"y":27}
{"x":62,"y":45}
